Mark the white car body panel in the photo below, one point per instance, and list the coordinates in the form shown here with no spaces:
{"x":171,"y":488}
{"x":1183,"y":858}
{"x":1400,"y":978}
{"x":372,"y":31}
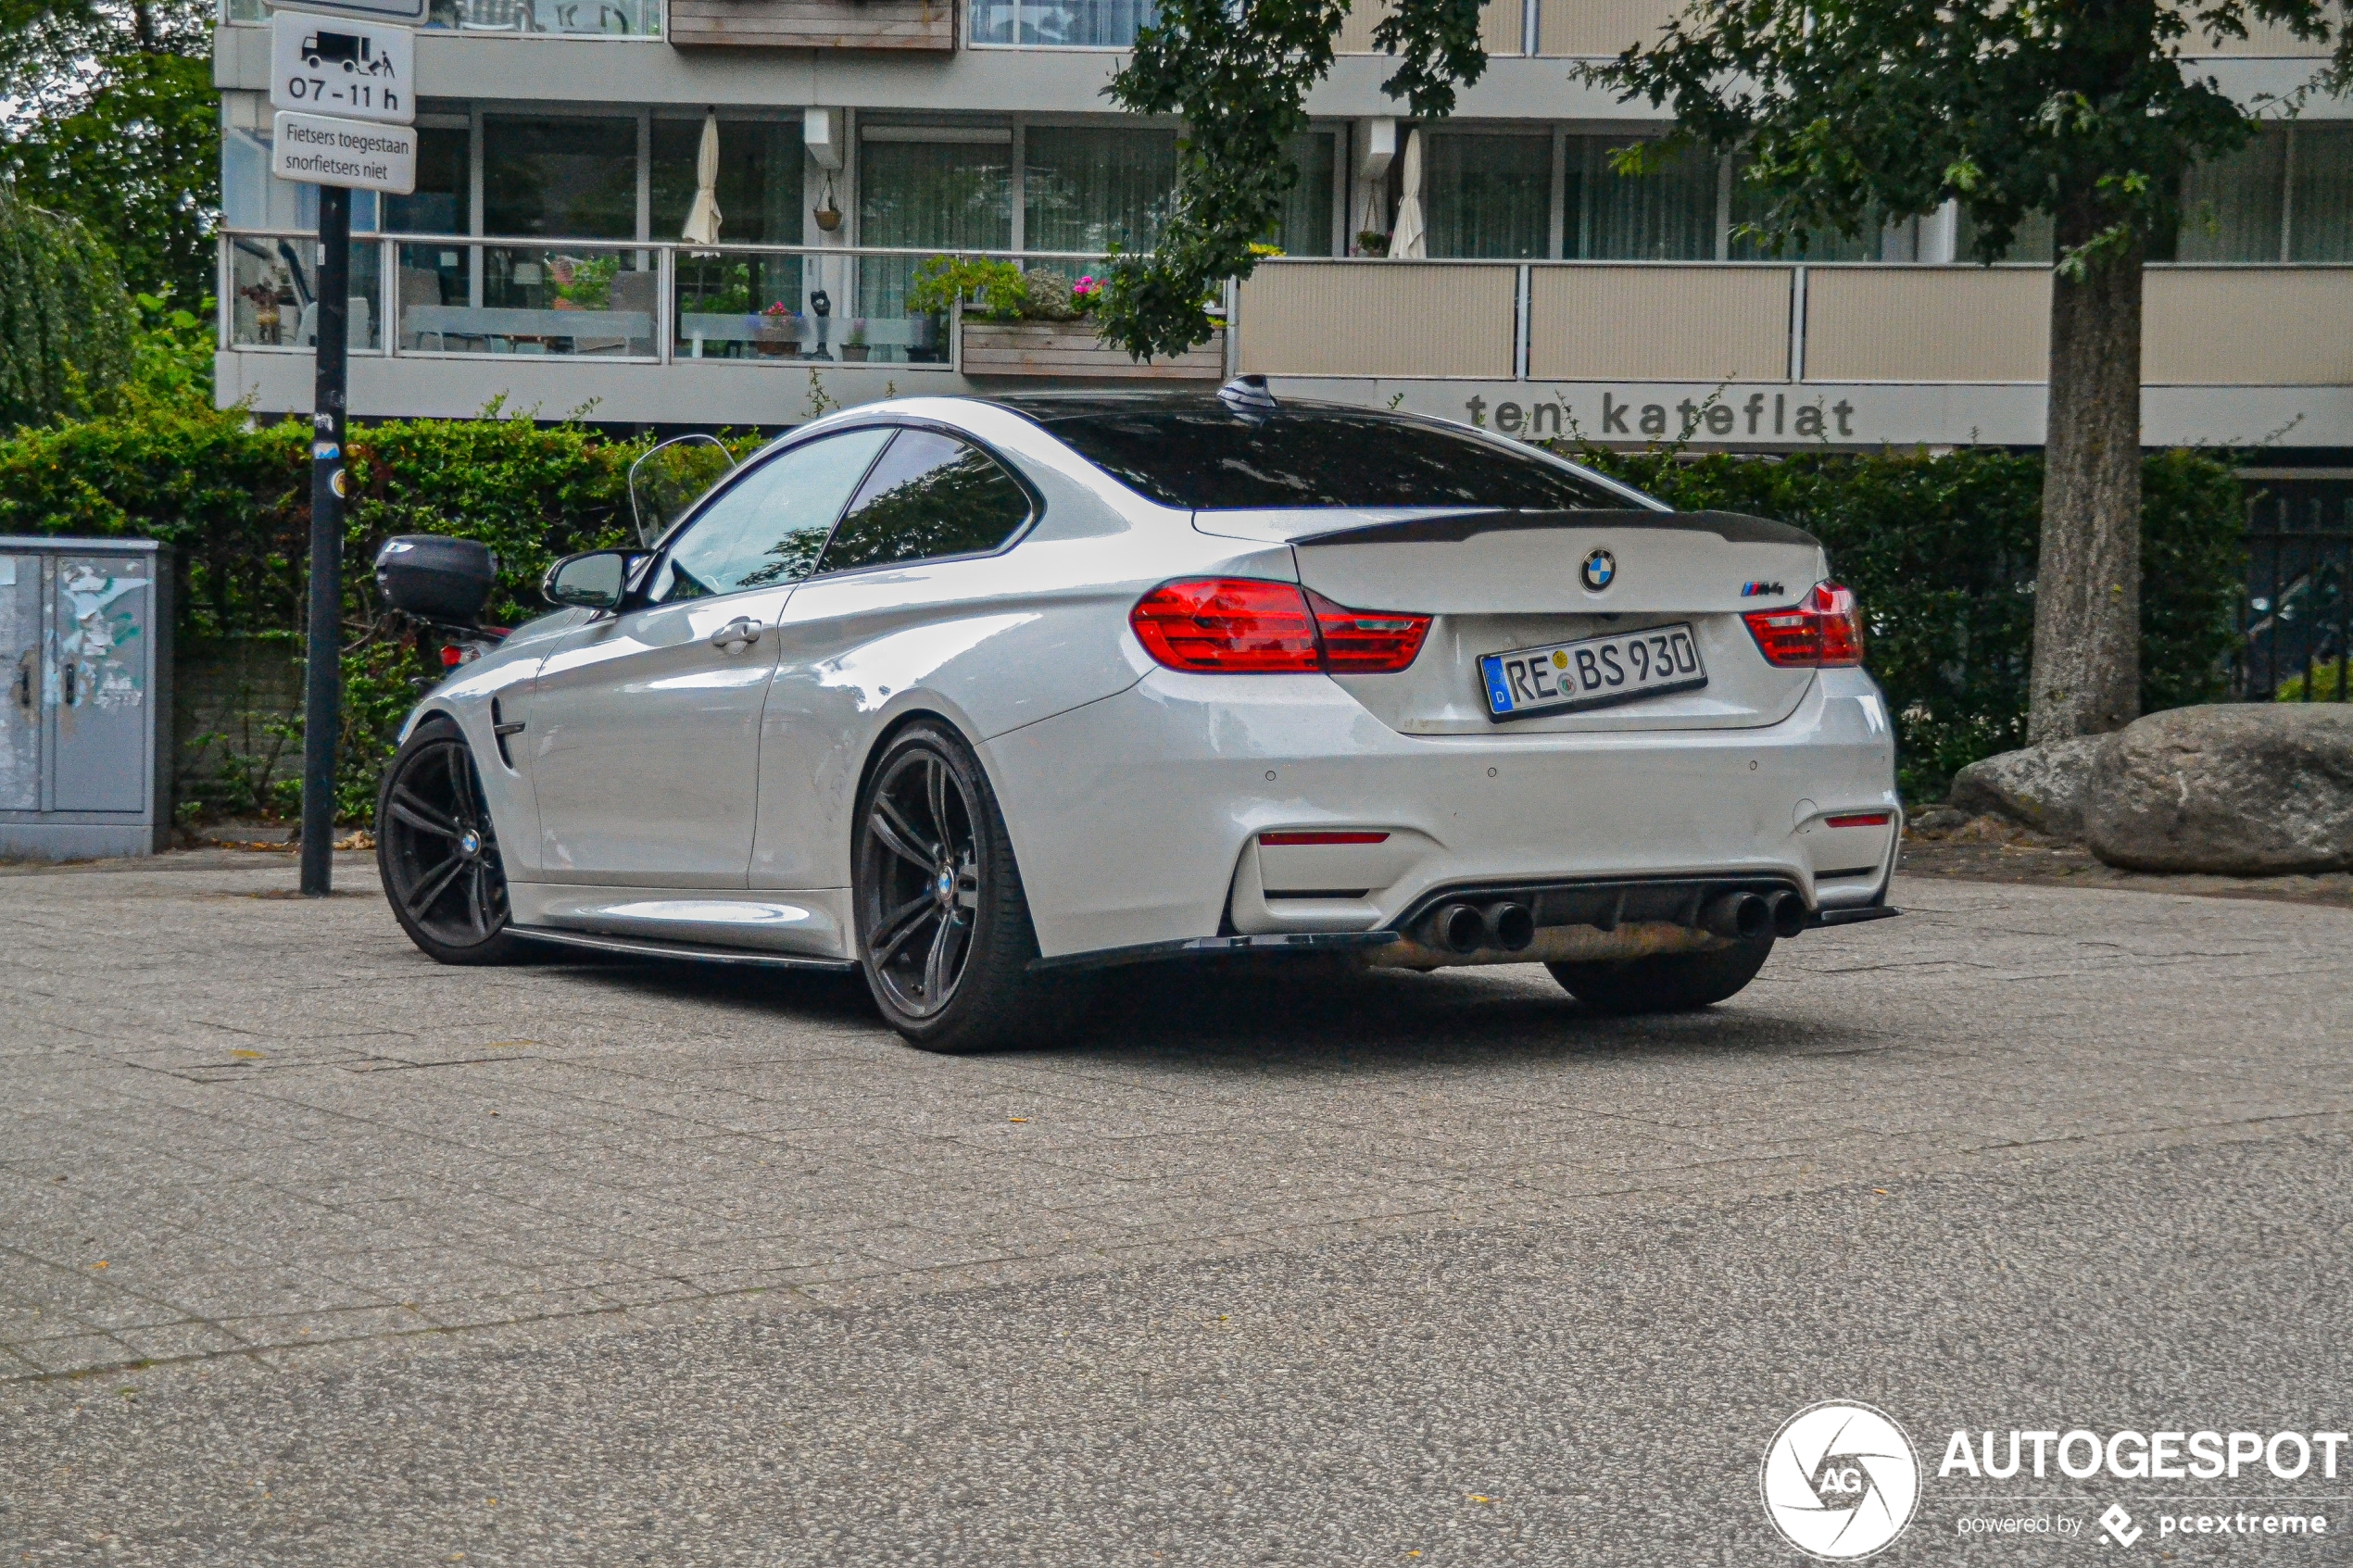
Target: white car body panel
{"x":1130,"y":816}
{"x":643,"y":742}
{"x":668,"y":789}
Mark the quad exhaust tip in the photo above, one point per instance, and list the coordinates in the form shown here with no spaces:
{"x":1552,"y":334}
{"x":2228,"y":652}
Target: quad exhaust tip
{"x":1744,"y":916}
{"x":1509,"y":926}
{"x":1467,"y":928}
{"x":1458,"y":928}
{"x":1741,"y":916}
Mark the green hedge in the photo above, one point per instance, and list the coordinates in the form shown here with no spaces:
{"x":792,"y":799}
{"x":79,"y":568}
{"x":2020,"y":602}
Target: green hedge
{"x":1941,"y":549}
{"x":232,"y":498}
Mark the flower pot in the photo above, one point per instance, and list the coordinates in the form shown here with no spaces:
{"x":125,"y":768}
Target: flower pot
{"x":1073,"y":349}
{"x":854,"y":353}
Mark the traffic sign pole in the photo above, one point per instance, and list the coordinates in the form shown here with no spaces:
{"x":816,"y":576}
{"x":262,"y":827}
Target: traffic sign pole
{"x":322,"y":686}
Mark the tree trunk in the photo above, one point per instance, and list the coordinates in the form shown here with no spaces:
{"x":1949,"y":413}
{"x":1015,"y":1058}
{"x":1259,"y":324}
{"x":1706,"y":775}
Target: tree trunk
{"x":2087,"y":589}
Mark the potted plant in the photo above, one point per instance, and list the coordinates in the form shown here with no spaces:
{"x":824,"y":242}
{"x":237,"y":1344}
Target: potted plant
{"x":779,"y":331}
{"x":1041,"y":323}
{"x":853,"y":344}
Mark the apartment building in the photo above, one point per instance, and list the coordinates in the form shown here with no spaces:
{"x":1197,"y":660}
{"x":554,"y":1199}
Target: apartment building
{"x":542,"y":261}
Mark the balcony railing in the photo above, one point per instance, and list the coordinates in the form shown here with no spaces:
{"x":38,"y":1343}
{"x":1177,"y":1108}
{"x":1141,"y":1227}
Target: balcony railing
{"x":558,"y":19}
{"x":1687,"y":322}
{"x":437,"y":297}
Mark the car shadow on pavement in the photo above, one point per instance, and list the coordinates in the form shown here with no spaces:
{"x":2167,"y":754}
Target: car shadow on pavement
{"x":1308,"y":1015}
{"x":1312,"y":1017}
{"x":814,"y":995}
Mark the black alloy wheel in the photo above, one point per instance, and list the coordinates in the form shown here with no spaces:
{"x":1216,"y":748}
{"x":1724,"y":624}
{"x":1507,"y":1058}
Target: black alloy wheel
{"x":944,"y":935}
{"x":438,"y":851}
{"x":920,"y":900}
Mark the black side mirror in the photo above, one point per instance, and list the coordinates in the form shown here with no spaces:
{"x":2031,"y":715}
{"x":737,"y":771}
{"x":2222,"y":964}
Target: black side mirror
{"x":596,"y":580}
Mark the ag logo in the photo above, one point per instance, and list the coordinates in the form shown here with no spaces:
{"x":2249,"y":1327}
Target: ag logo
{"x":1600,"y":571}
{"x":1839,"y":1480}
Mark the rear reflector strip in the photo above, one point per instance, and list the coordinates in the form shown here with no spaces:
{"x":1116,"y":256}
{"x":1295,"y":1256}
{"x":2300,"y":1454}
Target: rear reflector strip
{"x":1861,"y":820}
{"x":1283,"y":840}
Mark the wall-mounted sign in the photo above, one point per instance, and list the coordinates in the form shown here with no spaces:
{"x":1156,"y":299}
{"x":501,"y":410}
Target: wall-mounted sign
{"x":344,"y":67}
{"x":314,"y":150}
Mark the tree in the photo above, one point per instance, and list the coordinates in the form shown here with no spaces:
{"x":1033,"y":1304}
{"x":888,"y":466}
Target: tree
{"x":65,"y":324}
{"x":114,"y":121}
{"x":1850,"y":113}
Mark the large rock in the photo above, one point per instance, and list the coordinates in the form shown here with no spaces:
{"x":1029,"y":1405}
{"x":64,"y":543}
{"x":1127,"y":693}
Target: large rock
{"x":2040,"y":787}
{"x":2247,"y":789}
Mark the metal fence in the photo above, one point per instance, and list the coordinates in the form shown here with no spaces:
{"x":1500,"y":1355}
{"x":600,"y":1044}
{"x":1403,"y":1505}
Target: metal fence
{"x":2299,"y":591}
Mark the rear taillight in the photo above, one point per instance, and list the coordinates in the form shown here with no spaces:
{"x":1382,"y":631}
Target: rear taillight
{"x":1824,"y":631}
{"x":1227,"y":625}
{"x":1367,"y":642}
{"x":1242,"y":626}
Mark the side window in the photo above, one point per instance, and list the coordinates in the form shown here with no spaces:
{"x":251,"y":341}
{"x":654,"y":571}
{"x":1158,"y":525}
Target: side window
{"x":768,"y":527}
{"x":930,"y":496}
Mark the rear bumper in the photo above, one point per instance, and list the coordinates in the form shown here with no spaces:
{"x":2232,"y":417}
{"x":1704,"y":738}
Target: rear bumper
{"x":1135,"y":818}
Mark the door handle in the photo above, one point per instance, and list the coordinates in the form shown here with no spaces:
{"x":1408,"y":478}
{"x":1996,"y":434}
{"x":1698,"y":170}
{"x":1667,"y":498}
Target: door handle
{"x":736,"y":635}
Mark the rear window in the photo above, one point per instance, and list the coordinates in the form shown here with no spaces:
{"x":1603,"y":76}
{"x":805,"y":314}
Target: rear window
{"x":1207,"y":459}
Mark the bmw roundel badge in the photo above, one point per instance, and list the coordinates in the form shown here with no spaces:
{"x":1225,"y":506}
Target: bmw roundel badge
{"x":1600,"y":571}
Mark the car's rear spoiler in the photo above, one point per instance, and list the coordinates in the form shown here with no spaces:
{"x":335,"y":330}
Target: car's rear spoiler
{"x":1736,"y":528}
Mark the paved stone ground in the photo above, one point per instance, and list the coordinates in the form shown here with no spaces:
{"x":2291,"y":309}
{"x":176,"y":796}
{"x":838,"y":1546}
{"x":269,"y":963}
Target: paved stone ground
{"x":683,"y":1267}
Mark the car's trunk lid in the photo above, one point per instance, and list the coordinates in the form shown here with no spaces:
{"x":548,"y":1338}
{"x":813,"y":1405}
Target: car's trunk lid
{"x":1497,"y":583}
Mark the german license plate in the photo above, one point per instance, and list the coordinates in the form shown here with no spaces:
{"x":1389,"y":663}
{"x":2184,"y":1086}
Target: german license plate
{"x":1593,"y":672}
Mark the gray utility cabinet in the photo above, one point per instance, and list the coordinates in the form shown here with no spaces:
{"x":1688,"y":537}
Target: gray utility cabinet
{"x":85,"y":722}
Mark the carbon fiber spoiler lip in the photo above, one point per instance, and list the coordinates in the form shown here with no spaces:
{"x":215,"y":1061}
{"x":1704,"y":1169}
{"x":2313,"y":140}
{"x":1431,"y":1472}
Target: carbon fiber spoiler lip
{"x":1735,"y":528}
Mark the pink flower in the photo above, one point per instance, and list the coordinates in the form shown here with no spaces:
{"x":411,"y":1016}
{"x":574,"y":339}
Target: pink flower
{"x":1085,"y":285}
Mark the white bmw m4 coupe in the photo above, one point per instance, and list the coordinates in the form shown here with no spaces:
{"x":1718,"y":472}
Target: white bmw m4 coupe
{"x":978,"y":696}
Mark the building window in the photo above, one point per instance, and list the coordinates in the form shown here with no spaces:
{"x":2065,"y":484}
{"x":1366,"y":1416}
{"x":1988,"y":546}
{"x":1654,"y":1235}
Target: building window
{"x":2231,"y":209}
{"x":1306,"y":225}
{"x":759,"y":203}
{"x":613,"y":19}
{"x":1068,"y":24}
{"x":439,"y":205}
{"x":760,"y":180}
{"x":1088,"y":190}
{"x":2320,"y":211}
{"x":1487,"y":195}
{"x":1666,"y":214}
{"x":573,"y":179}
{"x":918,"y":191}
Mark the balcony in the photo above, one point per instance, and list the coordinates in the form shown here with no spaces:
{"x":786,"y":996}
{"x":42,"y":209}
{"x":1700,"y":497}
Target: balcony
{"x":551,"y":19}
{"x":1724,"y":354}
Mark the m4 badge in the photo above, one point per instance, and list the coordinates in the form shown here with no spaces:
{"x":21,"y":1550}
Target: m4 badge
{"x":1762,"y":590}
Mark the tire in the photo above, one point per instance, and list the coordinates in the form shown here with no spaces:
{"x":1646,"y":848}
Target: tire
{"x":1667,"y":982}
{"x":438,"y":851}
{"x":943,"y":928}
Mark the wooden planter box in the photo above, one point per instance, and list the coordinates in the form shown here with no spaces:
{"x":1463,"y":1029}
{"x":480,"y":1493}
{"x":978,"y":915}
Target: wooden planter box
{"x":1071,"y":349}
{"x":814,"y":24}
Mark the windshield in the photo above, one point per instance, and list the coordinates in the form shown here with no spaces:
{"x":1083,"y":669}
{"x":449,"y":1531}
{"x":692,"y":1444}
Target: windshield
{"x":1198,"y":455}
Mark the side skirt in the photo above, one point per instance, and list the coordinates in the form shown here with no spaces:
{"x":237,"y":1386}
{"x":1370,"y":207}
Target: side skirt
{"x":651,"y":947}
{"x":1219,"y":947}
